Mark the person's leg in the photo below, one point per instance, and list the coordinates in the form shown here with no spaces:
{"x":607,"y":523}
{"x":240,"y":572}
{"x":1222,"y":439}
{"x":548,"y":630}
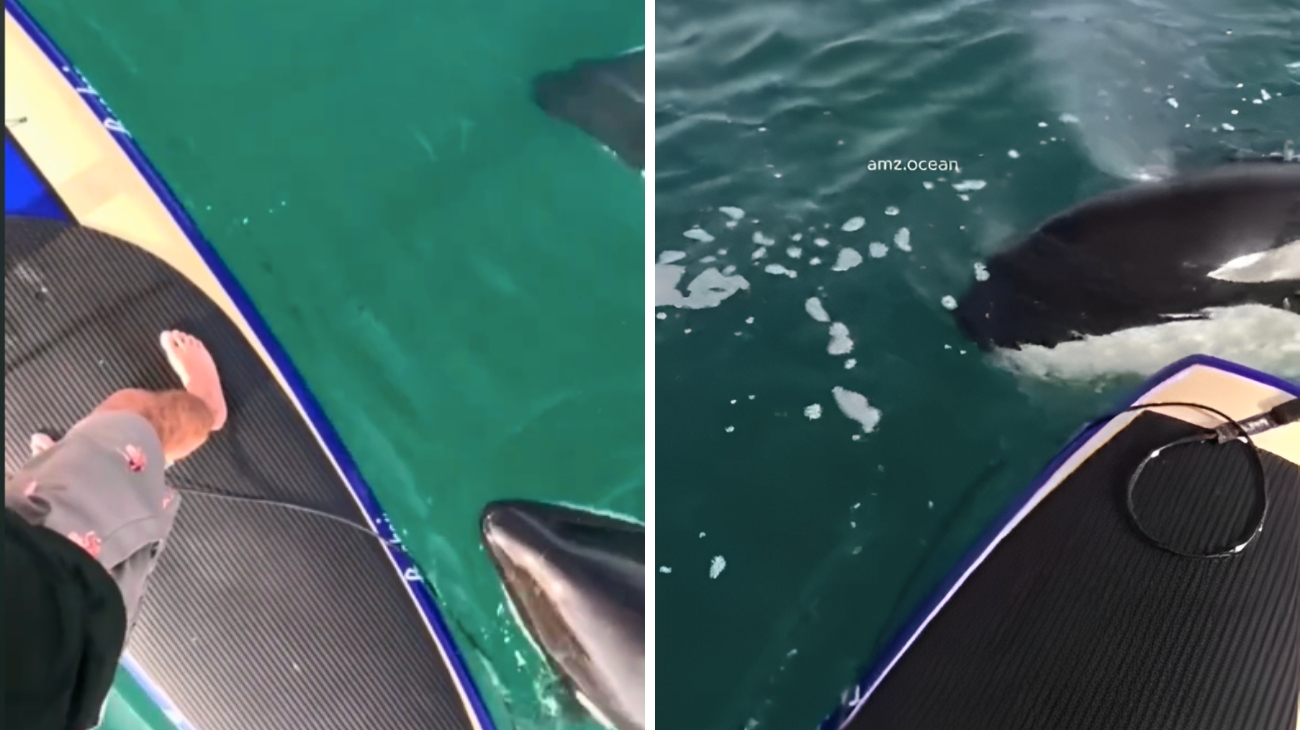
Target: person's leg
{"x":102,"y":485}
{"x":183,"y":419}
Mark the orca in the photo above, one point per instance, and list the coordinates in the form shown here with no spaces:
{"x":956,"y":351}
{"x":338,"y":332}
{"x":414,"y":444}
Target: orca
{"x":575,"y":580}
{"x":1158,"y":268}
{"x":604,"y":98}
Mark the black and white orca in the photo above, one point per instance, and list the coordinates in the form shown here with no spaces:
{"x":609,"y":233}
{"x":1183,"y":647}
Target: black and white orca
{"x":604,"y":98}
{"x":575,"y":580}
{"x":1206,"y":263}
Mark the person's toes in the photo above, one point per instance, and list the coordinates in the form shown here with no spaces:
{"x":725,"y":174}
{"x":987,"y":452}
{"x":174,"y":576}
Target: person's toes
{"x":40,"y":443}
{"x":174,"y":344}
{"x":182,"y":340}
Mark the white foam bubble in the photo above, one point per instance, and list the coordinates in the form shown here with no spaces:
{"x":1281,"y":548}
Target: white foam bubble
{"x":667,"y":257}
{"x":968,"y":185}
{"x":780,"y":270}
{"x":877,"y":250}
{"x":854,"y":224}
{"x":892,"y":210}
{"x":949,"y":302}
{"x":903,"y":239}
{"x":762,"y":240}
{"x":699,"y":234}
{"x":847,"y":259}
{"x":732,"y":212}
{"x":815,"y":309}
{"x":841,"y":343}
{"x":855,"y":406}
{"x":716,"y":566}
{"x":981,"y":272}
{"x":813,"y":412}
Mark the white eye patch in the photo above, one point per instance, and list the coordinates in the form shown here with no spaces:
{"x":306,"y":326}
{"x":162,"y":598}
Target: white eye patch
{"x":1278,"y":264}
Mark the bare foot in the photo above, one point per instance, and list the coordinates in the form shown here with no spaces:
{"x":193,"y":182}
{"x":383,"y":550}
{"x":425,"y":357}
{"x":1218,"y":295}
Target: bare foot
{"x":40,"y":443}
{"x":193,"y":363}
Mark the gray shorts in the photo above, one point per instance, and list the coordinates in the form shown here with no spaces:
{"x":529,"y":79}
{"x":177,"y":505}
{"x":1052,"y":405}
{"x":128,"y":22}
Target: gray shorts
{"x":102,"y":487}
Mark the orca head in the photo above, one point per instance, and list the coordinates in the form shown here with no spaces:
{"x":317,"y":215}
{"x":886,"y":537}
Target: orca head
{"x":604,"y":98}
{"x":1164,"y":253}
{"x":575,"y":580}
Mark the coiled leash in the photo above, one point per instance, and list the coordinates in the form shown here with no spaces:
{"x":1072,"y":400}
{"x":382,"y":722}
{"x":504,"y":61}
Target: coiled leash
{"x":1231,"y":431}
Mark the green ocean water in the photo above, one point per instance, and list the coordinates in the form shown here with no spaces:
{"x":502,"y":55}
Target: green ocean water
{"x":458,"y":277}
{"x":793,"y":543}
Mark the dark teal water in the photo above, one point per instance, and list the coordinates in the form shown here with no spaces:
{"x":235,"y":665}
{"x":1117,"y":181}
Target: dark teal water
{"x":458,"y":277}
{"x":832,"y":535}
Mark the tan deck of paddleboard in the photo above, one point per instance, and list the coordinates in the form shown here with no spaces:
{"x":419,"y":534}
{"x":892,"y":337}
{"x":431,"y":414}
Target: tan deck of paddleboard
{"x":1233,"y":394}
{"x":92,"y":175}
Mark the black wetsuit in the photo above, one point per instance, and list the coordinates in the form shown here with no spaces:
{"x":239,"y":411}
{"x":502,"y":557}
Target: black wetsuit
{"x":65,"y":626}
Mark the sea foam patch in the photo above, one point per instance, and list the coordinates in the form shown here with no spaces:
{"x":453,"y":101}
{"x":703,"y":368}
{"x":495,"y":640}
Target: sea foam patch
{"x":1254,"y":335}
{"x":709,"y":289}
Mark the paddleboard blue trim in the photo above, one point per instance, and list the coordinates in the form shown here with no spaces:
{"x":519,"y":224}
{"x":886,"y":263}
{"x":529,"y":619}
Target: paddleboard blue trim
{"x":419,"y":591}
{"x":857,"y":695}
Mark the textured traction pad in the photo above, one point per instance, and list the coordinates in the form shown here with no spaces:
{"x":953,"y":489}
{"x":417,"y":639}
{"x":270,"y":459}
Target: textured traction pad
{"x":1075,"y":623}
{"x":259,"y":617}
